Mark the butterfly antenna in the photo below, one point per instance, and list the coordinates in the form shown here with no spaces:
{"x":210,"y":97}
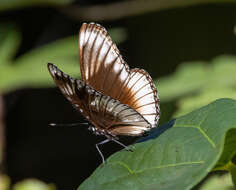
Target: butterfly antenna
{"x":66,"y":124}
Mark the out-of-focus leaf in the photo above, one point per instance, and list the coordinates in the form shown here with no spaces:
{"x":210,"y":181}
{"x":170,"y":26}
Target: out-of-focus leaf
{"x":187,"y":104}
{"x":33,"y":184}
{"x":218,"y":183}
{"x":9,"y":38}
{"x":178,"y":159}
{"x":222,"y":71}
{"x":197,"y":83}
{"x":192,"y":78}
{"x":188,"y":78}
{"x":14,"y":4}
{"x":30,"y":70}
{"x":4,"y":182}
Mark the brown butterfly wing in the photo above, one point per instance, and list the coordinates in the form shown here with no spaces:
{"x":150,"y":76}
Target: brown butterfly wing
{"x":103,"y":68}
{"x":108,"y":115}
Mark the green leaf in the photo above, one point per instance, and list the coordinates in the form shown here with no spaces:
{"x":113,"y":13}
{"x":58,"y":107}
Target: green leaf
{"x":190,"y":103}
{"x":30,"y":70}
{"x":192,"y":78}
{"x":178,"y":159}
{"x":188,"y":78}
{"x":10,"y":38}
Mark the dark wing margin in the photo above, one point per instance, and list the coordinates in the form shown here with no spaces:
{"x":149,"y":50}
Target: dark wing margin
{"x":66,"y":84}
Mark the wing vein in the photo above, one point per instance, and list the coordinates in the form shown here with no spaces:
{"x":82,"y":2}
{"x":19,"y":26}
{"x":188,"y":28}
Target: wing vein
{"x":91,"y":50}
{"x":103,"y":61}
{"x":105,"y":109}
{"x":108,"y":71}
{"x":136,"y":100}
{"x":145,"y":105}
{"x":141,"y":88}
{"x":99,"y":51}
{"x":133,"y":84}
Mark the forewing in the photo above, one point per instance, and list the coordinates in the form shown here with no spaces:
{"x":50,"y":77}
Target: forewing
{"x":103,"y":68}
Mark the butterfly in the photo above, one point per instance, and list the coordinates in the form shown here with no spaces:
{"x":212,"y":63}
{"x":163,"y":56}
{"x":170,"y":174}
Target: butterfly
{"x":116,"y":100}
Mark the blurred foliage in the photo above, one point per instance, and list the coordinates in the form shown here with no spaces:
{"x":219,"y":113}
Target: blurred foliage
{"x":30,"y":69}
{"x":33,"y":184}
{"x":29,"y":184}
{"x":4,"y":182}
{"x":223,"y":182}
{"x":197,"y":143}
{"x":197,"y":83}
{"x":9,"y":37}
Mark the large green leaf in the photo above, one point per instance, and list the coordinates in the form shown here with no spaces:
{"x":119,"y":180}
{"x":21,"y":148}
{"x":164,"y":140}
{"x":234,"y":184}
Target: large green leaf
{"x":179,"y":158}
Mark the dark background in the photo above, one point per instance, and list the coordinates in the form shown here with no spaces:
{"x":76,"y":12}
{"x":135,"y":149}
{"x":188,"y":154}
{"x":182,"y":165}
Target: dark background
{"x":157,"y":42}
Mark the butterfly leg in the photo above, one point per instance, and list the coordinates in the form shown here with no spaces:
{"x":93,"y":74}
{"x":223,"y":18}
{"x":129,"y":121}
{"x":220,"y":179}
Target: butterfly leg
{"x":103,"y":142}
{"x":121,"y":144}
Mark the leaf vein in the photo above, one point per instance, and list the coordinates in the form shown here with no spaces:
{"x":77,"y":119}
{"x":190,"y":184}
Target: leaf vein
{"x":124,"y":165}
{"x":207,"y":137}
{"x":172,"y":165}
{"x":201,"y":131}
